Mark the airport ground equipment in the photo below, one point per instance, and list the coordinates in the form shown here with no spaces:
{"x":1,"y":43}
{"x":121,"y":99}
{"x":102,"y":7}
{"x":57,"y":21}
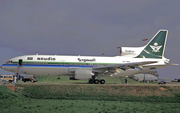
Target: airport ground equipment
{"x":6,"y":78}
{"x":162,"y":82}
{"x":29,"y":78}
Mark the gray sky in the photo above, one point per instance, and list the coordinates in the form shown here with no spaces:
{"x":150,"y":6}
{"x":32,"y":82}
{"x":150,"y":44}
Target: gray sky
{"x":87,"y":27}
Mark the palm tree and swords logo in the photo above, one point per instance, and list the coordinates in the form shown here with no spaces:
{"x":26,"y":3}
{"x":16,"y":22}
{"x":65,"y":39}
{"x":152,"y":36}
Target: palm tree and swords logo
{"x":155,"y":48}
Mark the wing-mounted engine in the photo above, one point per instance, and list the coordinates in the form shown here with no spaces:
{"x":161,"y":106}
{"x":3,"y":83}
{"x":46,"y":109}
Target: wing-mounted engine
{"x":130,"y":51}
{"x":82,"y":73}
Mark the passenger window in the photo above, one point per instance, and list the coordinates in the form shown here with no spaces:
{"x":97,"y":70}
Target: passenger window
{"x":29,"y":58}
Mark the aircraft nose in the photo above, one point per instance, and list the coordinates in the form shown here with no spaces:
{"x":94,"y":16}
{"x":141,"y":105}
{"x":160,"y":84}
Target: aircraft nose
{"x":2,"y":67}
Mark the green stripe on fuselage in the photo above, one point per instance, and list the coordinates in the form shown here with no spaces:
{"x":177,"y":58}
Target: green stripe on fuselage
{"x":65,"y":63}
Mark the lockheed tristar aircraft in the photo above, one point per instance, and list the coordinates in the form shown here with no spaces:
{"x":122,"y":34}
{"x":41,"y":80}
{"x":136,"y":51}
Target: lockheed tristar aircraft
{"x":132,"y":60}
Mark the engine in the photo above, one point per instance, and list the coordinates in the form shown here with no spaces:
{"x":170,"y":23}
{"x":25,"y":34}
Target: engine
{"x":130,"y":51}
{"x":83,"y":73}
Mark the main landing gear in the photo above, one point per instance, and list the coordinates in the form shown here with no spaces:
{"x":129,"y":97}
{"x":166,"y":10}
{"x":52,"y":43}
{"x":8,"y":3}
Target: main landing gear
{"x":96,"y":81}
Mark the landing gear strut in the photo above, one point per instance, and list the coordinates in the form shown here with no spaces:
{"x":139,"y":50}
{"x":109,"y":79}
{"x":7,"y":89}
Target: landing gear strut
{"x":91,"y":81}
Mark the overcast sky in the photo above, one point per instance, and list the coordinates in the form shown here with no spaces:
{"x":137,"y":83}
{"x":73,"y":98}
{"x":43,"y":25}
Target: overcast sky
{"x":87,"y":27}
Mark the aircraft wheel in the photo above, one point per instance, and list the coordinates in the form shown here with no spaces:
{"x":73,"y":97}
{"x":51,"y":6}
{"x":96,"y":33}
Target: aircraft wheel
{"x":96,"y":81}
{"x":91,"y":81}
{"x":32,"y":81}
{"x":102,"y":81}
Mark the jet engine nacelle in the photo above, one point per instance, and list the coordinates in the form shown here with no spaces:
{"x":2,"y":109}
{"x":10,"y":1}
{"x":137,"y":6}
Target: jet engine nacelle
{"x":83,"y":73}
{"x":130,"y":51}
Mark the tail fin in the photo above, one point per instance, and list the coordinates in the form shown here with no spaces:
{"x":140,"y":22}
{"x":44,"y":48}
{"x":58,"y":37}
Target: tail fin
{"x":156,"y":46}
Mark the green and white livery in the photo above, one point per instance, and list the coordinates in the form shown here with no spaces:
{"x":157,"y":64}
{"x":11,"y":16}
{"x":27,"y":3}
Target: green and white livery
{"x":133,"y":60}
{"x":156,"y":46}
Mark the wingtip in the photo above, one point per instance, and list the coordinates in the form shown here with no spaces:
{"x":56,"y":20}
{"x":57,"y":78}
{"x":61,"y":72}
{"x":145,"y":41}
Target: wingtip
{"x":173,"y":64}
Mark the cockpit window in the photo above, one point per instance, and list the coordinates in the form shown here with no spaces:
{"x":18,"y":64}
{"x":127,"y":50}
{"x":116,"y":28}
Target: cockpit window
{"x":8,"y":62}
{"x":29,"y":58}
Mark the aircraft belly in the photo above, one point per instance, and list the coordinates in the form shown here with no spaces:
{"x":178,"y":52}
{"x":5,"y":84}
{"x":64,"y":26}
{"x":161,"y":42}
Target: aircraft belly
{"x":44,"y":71}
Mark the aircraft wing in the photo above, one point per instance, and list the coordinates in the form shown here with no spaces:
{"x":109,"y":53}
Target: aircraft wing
{"x":123,"y":66}
{"x":160,"y":66}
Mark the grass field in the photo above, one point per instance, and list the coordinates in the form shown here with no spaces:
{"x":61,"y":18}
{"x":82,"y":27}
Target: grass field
{"x":11,"y":102}
{"x":51,"y":94}
{"x":52,"y":87}
{"x":103,"y":92}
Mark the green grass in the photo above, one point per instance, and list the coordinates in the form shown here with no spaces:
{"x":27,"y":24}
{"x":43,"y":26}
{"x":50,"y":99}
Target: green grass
{"x":51,"y":94}
{"x":51,"y":87}
{"x":103,"y":92}
{"x":88,"y":106}
{"x":11,"y":102}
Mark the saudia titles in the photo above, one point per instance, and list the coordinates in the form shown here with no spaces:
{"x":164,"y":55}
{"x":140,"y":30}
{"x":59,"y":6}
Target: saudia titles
{"x":42,"y":58}
{"x":84,"y":60}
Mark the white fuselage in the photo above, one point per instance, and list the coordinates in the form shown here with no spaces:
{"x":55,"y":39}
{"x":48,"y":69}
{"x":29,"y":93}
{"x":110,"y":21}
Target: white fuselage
{"x":59,"y":65}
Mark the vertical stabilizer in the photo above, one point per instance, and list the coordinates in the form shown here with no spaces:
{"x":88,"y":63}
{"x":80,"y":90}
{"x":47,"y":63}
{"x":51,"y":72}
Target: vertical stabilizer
{"x":156,"y":46}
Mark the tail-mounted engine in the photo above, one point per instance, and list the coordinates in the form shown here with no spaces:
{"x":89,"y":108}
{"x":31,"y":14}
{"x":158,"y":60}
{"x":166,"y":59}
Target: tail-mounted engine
{"x":130,"y":51}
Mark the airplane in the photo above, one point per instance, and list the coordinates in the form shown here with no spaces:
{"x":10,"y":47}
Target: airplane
{"x":131,"y":61}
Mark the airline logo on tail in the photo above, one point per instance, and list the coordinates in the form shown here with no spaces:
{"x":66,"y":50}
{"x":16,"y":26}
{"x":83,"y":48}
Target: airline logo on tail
{"x":155,"y":48}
